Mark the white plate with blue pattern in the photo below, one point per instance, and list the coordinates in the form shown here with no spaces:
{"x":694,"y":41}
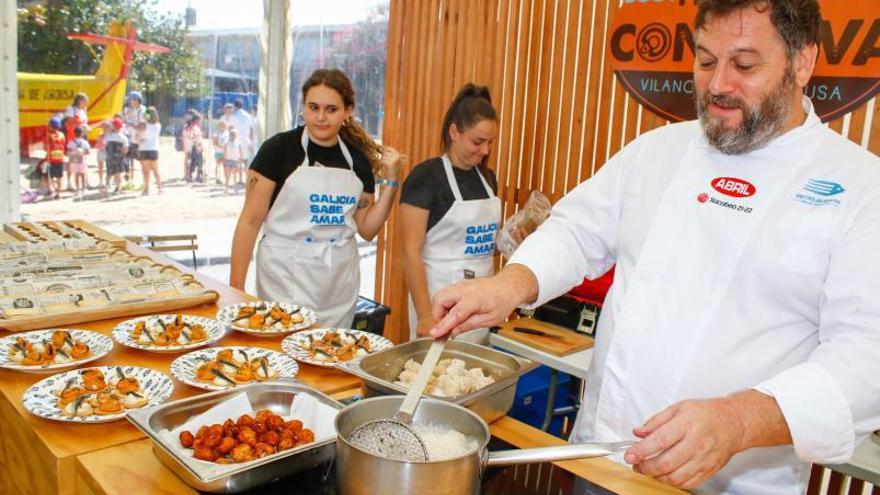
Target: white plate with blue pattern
{"x":99,"y":346}
{"x":298,"y":345}
{"x":214,"y":330}
{"x":229,"y":313}
{"x":41,"y":399}
{"x":184,"y":368}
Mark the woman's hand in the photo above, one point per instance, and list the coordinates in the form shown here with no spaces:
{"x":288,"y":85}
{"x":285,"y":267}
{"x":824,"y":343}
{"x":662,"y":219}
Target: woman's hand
{"x":391,"y":160}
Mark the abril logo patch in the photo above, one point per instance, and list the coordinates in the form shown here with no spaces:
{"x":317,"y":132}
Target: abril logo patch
{"x":731,"y":186}
{"x":651,"y":48}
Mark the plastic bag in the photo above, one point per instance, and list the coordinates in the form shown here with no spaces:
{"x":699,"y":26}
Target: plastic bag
{"x":523,"y":223}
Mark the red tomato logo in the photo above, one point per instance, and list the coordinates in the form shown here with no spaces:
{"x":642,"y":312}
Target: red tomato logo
{"x":702,"y":197}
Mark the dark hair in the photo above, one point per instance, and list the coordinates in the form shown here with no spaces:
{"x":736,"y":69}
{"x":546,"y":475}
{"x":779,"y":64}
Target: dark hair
{"x":239,"y":103}
{"x":797,"y":21}
{"x":470,"y":106}
{"x":192,"y":116}
{"x":79,"y":97}
{"x":351,"y":132}
{"x":78,"y":131}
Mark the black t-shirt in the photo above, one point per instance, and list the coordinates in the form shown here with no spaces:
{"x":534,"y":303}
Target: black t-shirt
{"x":427,"y":187}
{"x":281,"y":154}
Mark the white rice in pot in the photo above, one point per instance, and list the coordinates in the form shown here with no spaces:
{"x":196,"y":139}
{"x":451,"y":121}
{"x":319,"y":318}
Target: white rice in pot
{"x":443,"y":442}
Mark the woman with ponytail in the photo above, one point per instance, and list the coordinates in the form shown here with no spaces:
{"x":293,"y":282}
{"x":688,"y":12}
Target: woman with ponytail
{"x":311,"y":189}
{"x":449,"y":214}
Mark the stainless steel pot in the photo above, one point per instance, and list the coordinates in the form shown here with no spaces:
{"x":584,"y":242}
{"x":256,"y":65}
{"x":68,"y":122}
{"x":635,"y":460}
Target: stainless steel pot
{"x":360,"y":472}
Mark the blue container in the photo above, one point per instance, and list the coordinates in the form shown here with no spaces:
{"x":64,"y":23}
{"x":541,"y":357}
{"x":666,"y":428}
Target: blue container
{"x":531,"y":398}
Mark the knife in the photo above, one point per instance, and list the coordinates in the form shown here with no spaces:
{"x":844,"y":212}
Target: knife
{"x":533,"y":331}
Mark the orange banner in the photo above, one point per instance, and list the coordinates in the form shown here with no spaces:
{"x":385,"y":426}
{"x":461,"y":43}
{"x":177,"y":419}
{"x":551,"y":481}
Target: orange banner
{"x":651,"y":48}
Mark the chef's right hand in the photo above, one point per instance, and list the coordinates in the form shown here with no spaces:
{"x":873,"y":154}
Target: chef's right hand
{"x":482,"y":302}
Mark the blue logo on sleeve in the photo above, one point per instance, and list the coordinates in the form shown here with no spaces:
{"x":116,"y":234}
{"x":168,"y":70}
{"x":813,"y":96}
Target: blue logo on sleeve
{"x":823,"y":187}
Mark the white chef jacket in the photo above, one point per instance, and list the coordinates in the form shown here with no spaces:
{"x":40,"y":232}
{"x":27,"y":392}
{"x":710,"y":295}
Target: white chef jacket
{"x":756,"y":271}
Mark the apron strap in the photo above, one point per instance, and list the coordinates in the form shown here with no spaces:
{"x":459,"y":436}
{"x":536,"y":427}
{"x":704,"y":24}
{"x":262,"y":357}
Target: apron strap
{"x":489,"y":192}
{"x":304,"y":141}
{"x":453,"y":184}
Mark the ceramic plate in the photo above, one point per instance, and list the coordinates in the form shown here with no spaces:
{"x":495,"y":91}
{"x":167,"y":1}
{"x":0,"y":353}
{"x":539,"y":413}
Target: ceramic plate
{"x":214,"y":329}
{"x":184,"y":368}
{"x":297,"y":345}
{"x":227,"y":315}
{"x":99,"y":346}
{"x":41,"y":399}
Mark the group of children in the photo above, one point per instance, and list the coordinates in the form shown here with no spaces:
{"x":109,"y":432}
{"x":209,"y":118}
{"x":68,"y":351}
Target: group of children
{"x":229,"y":154}
{"x":73,"y":146}
{"x":66,"y":152}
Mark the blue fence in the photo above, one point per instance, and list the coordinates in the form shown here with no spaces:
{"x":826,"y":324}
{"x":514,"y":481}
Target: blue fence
{"x":204,"y":105}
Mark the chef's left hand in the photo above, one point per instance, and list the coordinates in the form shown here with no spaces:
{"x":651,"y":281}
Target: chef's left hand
{"x":687,"y":442}
{"x":392,"y":161}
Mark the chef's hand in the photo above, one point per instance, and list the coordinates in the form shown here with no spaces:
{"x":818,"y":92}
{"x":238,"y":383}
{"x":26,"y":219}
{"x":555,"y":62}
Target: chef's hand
{"x":391,"y":160}
{"x":688,"y":442}
{"x":482,"y":302}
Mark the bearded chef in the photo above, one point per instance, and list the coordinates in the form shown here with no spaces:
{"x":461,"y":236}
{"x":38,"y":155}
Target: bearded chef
{"x":741,"y":335}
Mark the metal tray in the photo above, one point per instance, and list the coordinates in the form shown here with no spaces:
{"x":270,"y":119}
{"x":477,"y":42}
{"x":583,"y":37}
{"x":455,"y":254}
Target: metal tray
{"x":275,"y":395}
{"x":378,"y":372}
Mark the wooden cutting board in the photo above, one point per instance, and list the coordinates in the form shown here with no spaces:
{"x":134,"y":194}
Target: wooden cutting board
{"x":569,"y":341}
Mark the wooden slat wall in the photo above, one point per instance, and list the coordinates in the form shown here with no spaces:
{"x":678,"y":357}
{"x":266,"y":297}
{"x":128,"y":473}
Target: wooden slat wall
{"x":562,"y":112}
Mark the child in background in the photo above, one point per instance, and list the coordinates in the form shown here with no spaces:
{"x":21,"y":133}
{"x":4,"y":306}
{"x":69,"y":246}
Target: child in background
{"x":148,"y":136}
{"x":70,"y":124}
{"x":233,"y":156}
{"x":192,"y":146}
{"x":116,"y":146}
{"x":102,"y":155}
{"x":55,"y":146}
{"x":77,"y":149}
{"x":221,"y":137}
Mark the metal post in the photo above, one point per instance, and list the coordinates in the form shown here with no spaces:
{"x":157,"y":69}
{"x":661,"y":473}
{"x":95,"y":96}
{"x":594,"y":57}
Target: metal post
{"x":273,"y":109}
{"x":10,"y":171}
{"x":551,"y":399}
{"x":213,"y":85}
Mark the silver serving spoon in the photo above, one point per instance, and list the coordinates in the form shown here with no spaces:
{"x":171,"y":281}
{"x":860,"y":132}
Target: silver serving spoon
{"x":395,"y":438}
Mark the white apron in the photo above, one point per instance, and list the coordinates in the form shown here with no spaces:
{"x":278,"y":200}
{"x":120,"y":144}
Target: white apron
{"x":309,"y":253}
{"x":460,"y":245}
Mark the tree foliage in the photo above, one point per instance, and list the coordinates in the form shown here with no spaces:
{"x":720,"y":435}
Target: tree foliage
{"x":44,"y":48}
{"x":361,"y":51}
{"x":358,"y":49}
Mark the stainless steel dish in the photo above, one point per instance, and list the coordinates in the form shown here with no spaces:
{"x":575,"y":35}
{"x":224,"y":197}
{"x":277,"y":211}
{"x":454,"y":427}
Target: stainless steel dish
{"x":275,"y":395}
{"x":359,"y":472}
{"x":380,"y":370}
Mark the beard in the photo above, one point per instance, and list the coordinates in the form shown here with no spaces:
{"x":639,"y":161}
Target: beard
{"x":758,"y":125}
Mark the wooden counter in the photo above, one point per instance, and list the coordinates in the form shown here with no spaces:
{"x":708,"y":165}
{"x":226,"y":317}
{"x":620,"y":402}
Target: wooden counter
{"x":599,"y":470}
{"x":102,"y":473}
{"x":38,"y":455}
